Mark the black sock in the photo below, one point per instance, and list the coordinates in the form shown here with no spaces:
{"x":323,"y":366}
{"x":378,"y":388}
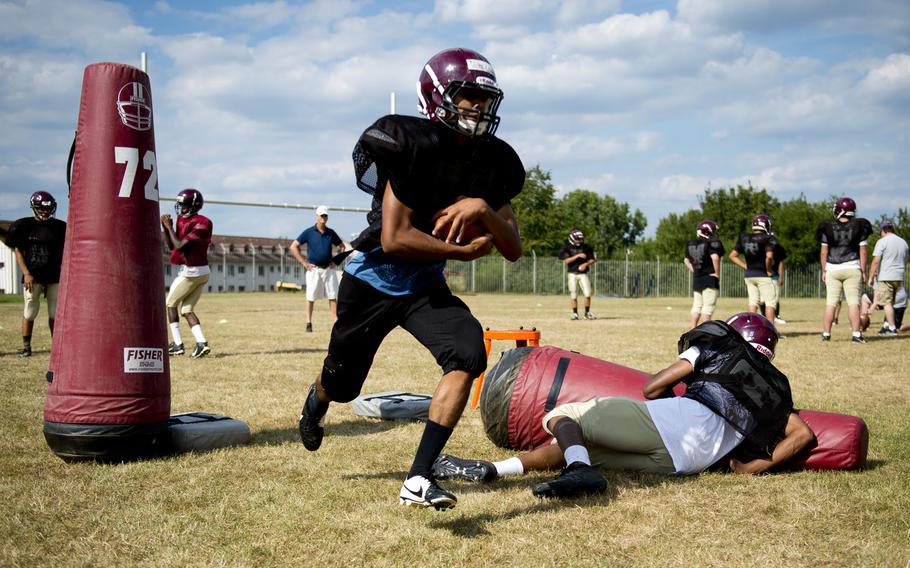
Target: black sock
{"x":27,"y":341}
{"x":574,"y":310}
{"x":587,"y":309}
{"x":434,"y":439}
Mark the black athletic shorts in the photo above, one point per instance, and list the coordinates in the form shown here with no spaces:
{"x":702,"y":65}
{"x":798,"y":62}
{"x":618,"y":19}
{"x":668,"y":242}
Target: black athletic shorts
{"x":440,"y":321}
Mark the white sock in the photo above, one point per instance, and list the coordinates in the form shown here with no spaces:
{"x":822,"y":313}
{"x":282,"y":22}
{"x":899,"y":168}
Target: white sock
{"x":857,"y":334}
{"x":577,"y":453}
{"x":511,"y":466}
{"x":175,"y":333}
{"x":197,"y":333}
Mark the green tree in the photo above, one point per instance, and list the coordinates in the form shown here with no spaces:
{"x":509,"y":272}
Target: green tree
{"x":534,"y":208}
{"x":609,"y":225}
{"x":733,"y":209}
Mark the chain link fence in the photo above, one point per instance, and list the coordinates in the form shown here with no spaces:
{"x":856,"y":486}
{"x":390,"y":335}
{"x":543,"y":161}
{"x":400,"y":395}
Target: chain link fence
{"x":618,"y":278}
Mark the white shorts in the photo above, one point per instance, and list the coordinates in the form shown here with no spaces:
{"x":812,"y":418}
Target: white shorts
{"x":582,"y":280}
{"x":33,"y":300}
{"x":321,"y":283}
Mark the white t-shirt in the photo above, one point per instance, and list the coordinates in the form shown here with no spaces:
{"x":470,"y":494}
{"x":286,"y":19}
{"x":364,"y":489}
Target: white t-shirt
{"x":893,"y":252}
{"x":695,"y":437}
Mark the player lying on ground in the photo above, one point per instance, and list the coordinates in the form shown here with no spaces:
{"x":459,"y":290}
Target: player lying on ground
{"x":737,"y":407}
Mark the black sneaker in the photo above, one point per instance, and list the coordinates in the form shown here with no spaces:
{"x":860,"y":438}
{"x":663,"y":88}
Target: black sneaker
{"x":175,"y":349}
{"x":826,"y":337}
{"x":576,"y":479}
{"x":309,"y":328}
{"x":858,"y":339}
{"x":887,"y":331}
{"x":451,"y":467}
{"x":589,"y":316}
{"x":311,"y":430}
{"x":26,"y":352}
{"x":201,"y":350}
{"x":419,"y":491}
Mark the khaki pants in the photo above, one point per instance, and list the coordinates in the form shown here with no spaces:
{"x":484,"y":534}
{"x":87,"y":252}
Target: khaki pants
{"x":885,"y":291}
{"x":618,"y":433}
{"x":847,"y":281}
{"x":576,"y":280}
{"x":761,"y":291}
{"x":185,"y":292}
{"x":703,"y":302}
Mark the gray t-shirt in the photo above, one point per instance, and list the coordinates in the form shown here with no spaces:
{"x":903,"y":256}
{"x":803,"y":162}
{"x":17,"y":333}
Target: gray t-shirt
{"x":893,"y":252}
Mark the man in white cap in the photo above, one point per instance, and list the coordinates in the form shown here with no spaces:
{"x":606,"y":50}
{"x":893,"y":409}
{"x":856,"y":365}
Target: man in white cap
{"x":321,"y":273}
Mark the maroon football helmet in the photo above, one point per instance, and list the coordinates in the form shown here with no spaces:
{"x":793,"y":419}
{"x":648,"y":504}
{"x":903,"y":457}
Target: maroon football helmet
{"x":706,"y":228}
{"x":189,"y":201}
{"x":844,"y":207}
{"x":576,"y":237}
{"x":761,"y":222}
{"x":757,"y":330}
{"x":460,"y":73}
{"x":43,"y":205}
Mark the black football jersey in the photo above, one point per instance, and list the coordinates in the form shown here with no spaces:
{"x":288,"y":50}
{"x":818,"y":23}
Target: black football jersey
{"x":843,"y":239}
{"x":699,"y":252}
{"x":429,"y":167}
{"x":572,"y":250}
{"x":754,"y":247}
{"x":41,"y":245}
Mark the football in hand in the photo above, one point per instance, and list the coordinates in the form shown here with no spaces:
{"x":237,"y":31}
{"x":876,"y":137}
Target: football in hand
{"x":471,"y":232}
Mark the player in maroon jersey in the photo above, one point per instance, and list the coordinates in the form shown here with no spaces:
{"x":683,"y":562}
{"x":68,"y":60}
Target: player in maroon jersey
{"x":189,"y":246}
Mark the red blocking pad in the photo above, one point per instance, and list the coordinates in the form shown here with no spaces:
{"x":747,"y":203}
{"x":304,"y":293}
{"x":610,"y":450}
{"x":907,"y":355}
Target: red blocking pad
{"x":529,"y":381}
{"x":108,"y":392}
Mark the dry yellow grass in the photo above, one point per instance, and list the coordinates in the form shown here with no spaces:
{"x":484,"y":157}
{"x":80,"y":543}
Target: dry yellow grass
{"x":272,"y":503}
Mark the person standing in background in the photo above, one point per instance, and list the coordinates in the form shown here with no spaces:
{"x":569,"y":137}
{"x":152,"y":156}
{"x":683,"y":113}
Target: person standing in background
{"x":321,"y":273}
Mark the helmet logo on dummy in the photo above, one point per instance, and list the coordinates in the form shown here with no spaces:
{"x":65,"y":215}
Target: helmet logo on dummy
{"x":134,"y":105}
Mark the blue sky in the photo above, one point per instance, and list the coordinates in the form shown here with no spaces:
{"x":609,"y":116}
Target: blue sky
{"x":646,"y":101}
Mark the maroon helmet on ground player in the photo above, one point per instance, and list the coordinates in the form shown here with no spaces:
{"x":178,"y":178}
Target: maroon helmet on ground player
{"x":844,"y":207}
{"x":464,"y":72}
{"x":43,"y":205}
{"x":189,"y":201}
{"x":757,"y":331}
{"x":706,"y":228}
{"x":762,"y":223}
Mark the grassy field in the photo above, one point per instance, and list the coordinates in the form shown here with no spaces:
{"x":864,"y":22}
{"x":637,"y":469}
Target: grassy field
{"x":272,"y":503}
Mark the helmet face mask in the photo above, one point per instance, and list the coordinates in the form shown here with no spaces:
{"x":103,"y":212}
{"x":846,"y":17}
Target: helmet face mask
{"x":757,"y":331}
{"x":43,"y":205}
{"x":452,"y":77}
{"x":189,"y":202}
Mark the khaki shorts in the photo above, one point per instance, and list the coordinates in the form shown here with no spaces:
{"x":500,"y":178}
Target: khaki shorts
{"x":703,"y":302}
{"x":33,"y":300}
{"x":582,"y":280}
{"x":847,"y":281}
{"x":321,"y":283}
{"x":761,"y":291}
{"x":618,"y":433}
{"x":886,"y":290}
{"x":185,"y":292}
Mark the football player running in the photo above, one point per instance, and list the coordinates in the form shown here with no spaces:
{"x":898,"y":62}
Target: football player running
{"x":748,"y":425}
{"x":423,"y":175}
{"x":189,"y":246}
{"x":843,"y":258}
